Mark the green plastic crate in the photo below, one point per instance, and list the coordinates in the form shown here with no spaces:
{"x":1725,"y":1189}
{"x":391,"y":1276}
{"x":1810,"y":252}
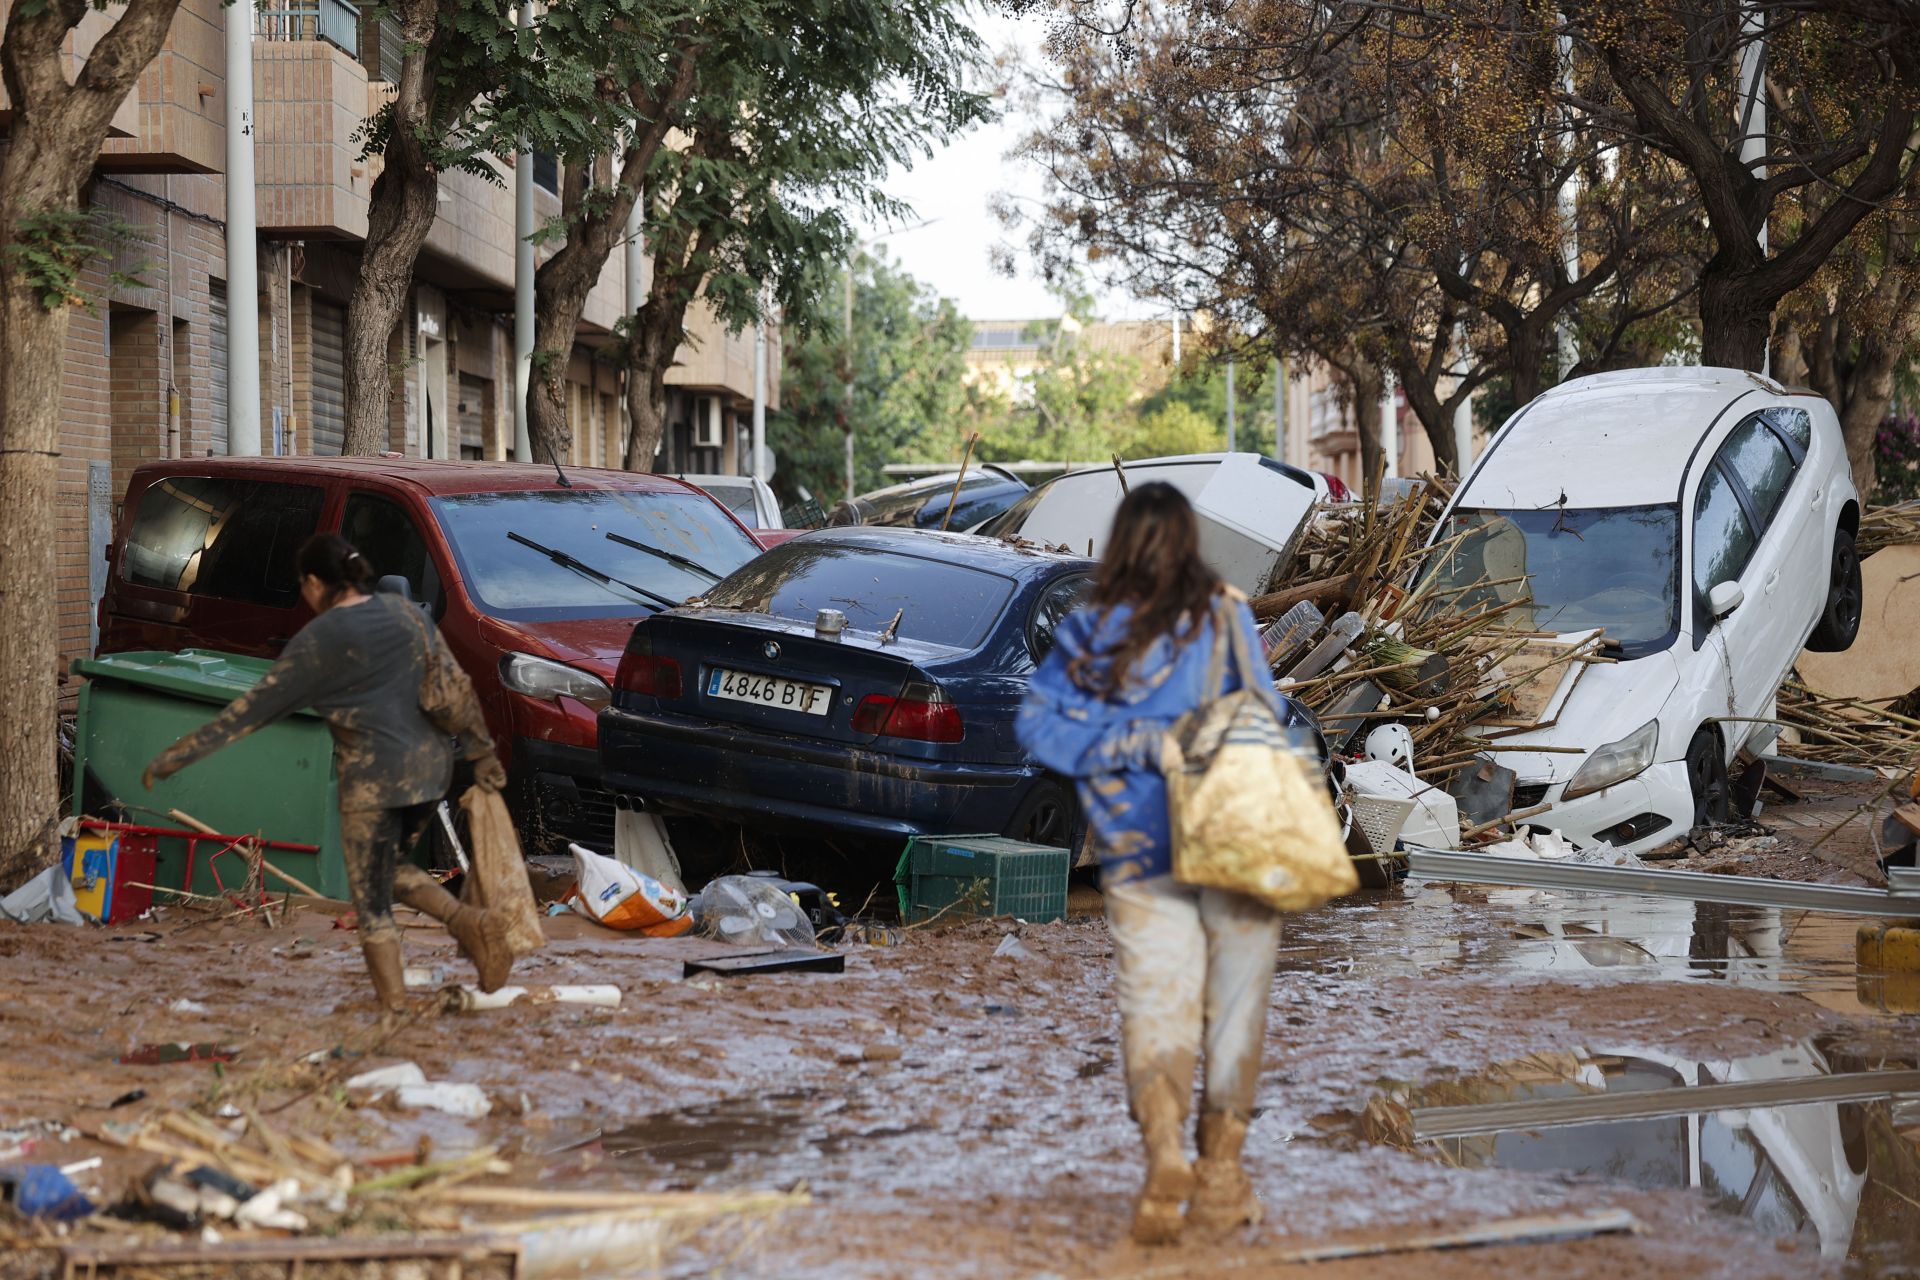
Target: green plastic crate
{"x":982,"y":876}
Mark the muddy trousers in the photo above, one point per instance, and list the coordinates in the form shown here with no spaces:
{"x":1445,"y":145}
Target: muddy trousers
{"x":374,"y":842}
{"x":1193,"y":971}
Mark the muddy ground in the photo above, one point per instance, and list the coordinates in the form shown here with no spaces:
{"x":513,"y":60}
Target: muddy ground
{"x":956,"y":1113}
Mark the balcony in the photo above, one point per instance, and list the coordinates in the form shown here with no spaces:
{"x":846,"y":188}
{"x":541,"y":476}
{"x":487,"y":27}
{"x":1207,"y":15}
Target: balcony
{"x":334,"y":21}
{"x":180,"y":104}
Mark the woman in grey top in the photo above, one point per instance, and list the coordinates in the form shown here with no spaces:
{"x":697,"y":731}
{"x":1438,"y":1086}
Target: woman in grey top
{"x":361,"y":664}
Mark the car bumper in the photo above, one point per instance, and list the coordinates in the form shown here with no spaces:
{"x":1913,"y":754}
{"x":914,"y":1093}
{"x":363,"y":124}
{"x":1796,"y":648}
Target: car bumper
{"x":1658,"y":803}
{"x":559,"y":796}
{"x":694,"y":766}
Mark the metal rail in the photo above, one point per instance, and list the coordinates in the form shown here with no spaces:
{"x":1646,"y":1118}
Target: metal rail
{"x":1737,"y":891}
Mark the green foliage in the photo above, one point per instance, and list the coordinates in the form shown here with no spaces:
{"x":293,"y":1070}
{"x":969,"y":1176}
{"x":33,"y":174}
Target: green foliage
{"x":51,"y":251}
{"x":908,"y":359}
{"x":1175,"y":427}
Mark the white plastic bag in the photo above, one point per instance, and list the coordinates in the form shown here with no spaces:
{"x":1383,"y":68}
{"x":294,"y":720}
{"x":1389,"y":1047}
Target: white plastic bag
{"x":622,"y":898}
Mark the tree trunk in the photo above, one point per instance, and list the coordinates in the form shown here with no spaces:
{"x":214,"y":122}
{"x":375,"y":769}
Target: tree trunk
{"x":400,"y":213}
{"x":1368,"y":383}
{"x":1735,"y":323}
{"x":55,"y":136}
{"x":1869,"y":396}
{"x":1526,"y":357}
{"x":1435,"y":419}
{"x":651,"y":345}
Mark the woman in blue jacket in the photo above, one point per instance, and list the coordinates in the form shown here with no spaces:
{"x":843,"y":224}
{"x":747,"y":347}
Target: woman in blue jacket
{"x":1193,"y":966}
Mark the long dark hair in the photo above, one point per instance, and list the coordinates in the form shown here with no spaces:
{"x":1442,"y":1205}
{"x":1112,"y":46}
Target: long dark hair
{"x":335,"y":561}
{"x":1152,"y":563}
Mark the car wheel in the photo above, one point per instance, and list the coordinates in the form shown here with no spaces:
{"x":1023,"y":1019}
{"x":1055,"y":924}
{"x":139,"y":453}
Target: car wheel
{"x":1707,"y":779}
{"x":1048,"y":815}
{"x":1840,"y":618}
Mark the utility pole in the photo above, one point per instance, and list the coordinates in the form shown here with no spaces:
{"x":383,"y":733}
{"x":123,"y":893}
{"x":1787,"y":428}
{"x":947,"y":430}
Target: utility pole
{"x":1176,"y":340}
{"x":1230,"y":421}
{"x":636,"y":265}
{"x":1280,"y":409}
{"x":758,"y":467}
{"x":1390,"y":425}
{"x":847,"y":334}
{"x":1753,"y":125}
{"x":243,"y":266}
{"x":523,"y":268}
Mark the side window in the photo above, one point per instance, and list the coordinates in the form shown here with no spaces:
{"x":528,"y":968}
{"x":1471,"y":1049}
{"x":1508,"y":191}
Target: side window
{"x":1795,"y":424}
{"x":1723,"y":541}
{"x":1756,"y":456}
{"x":1059,"y":600}
{"x":234,"y":539}
{"x":385,"y":534}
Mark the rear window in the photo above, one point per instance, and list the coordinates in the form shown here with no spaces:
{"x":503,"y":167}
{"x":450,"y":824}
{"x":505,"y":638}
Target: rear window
{"x":925,"y":504}
{"x":565,"y":553}
{"x":938,"y":602}
{"x":216,"y":536}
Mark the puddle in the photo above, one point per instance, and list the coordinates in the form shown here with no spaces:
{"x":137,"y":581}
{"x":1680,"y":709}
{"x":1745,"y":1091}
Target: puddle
{"x":767,"y":1139}
{"x":1593,"y":937}
{"x":149,"y":1055}
{"x":1795,"y":1142}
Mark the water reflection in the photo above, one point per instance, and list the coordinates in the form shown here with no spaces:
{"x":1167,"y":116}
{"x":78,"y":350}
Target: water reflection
{"x":1845,"y":1172}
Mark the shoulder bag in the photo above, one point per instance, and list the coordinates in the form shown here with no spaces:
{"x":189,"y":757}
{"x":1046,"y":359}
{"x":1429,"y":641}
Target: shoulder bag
{"x":1248,"y":810}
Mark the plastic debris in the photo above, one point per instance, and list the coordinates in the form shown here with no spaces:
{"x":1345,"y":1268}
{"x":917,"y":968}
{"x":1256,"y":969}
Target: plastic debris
{"x":149,"y":1055}
{"x":43,"y":1191}
{"x":1011,"y":948}
{"x":463,"y":998}
{"x":48,"y":896}
{"x":184,"y":1005}
{"x":411,"y":1088}
{"x":622,"y":898}
{"x":751,"y":911}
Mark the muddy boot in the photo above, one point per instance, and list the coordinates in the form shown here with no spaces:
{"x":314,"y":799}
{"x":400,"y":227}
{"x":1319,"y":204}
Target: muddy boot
{"x":1224,"y":1200}
{"x":384,"y":965}
{"x":1156,"y":1219}
{"x":482,"y":935}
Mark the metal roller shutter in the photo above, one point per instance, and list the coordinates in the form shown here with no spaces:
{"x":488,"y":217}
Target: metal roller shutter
{"x":474,"y":394}
{"x":217,"y":375}
{"x":329,"y":377}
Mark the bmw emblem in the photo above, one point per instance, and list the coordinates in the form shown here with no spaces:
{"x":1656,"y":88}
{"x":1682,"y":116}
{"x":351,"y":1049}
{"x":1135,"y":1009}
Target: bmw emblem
{"x":771,"y":648}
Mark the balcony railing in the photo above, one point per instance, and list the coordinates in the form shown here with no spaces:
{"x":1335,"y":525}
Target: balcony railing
{"x":335,"y":21}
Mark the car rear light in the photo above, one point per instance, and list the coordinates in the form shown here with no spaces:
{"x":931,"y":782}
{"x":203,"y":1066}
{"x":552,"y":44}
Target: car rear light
{"x":1337,"y":490}
{"x":921,"y":712}
{"x":640,"y":672}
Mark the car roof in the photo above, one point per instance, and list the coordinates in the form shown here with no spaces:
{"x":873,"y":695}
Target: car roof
{"x":970,"y":549}
{"x":427,"y":475}
{"x":927,"y":484}
{"x":1620,"y":439}
{"x":714,"y":481}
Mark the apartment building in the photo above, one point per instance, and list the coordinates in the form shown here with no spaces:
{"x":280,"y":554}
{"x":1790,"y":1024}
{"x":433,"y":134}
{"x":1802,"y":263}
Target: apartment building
{"x":147,"y":361}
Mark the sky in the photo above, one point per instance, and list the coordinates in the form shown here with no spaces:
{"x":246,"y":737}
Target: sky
{"x":956,"y":190}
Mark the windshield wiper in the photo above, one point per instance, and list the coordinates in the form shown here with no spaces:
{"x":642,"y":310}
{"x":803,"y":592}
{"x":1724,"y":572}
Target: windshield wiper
{"x":671,"y":557}
{"x":580,"y":566}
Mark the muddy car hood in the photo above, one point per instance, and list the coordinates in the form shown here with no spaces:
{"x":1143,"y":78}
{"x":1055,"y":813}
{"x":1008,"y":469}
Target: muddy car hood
{"x":1608,"y":702}
{"x":592,"y":644}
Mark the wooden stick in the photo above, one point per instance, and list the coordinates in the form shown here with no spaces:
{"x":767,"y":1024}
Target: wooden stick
{"x":188,"y":820}
{"x":972,"y":439}
{"x":1515,"y":816}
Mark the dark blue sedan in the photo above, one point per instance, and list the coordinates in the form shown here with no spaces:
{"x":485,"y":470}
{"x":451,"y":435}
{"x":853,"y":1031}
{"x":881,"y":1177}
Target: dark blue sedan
{"x":747,"y":707}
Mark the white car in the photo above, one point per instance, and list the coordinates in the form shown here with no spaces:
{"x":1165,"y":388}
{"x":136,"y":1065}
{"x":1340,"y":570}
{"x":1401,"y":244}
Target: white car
{"x":1703,"y":520}
{"x":1251,"y":509}
{"x":751,"y":501}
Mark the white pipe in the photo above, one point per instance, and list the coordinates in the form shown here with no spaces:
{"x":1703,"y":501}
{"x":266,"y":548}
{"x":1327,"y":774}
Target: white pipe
{"x":243,"y":266}
{"x":601,"y":994}
{"x":1176,"y":340}
{"x":523,"y":268}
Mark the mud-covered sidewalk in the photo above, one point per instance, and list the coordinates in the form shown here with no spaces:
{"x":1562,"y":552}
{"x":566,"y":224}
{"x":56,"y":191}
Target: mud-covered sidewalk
{"x":956,"y":1113}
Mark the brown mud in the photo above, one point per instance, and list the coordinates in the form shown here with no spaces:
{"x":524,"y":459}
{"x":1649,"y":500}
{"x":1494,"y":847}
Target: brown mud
{"x":956,"y":1114}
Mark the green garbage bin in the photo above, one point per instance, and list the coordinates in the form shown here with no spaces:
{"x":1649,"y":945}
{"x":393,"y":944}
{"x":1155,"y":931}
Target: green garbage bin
{"x":276,"y":783}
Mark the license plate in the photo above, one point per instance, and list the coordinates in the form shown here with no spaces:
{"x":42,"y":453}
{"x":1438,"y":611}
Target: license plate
{"x":770,"y":691}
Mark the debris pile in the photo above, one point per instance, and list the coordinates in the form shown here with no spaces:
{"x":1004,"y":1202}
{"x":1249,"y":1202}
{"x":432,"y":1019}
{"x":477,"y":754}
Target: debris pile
{"x":1872,"y":733}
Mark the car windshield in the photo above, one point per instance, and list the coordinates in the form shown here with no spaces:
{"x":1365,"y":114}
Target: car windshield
{"x":937,"y":601}
{"x":1611,"y":568}
{"x":547,"y":554}
{"x":738,"y":499}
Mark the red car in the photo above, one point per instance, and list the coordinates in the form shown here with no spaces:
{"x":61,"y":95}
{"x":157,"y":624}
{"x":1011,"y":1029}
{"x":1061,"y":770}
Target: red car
{"x":535,"y":580}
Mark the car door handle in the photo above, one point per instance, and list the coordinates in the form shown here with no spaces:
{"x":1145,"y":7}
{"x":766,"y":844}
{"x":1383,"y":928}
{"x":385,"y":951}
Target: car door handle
{"x":1819,"y":496}
{"x":1773,"y":580}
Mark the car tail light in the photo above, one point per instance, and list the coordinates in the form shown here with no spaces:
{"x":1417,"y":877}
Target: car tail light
{"x":640,"y":672}
{"x":921,"y":712}
{"x":1337,"y":490}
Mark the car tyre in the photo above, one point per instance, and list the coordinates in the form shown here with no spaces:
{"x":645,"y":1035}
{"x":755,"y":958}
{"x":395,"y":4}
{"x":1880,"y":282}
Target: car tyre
{"x":1840,"y":617}
{"x":1707,"y":779}
{"x":1048,"y":815}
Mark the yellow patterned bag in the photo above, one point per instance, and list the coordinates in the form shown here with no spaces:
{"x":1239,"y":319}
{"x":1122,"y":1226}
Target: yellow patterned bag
{"x":1248,"y":810}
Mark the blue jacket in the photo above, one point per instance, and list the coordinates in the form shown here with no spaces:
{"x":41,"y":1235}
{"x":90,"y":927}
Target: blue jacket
{"x":1111,"y":745}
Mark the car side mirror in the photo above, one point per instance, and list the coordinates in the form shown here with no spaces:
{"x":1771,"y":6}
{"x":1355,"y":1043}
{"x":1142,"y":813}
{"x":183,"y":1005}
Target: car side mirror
{"x":1724,"y":599}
